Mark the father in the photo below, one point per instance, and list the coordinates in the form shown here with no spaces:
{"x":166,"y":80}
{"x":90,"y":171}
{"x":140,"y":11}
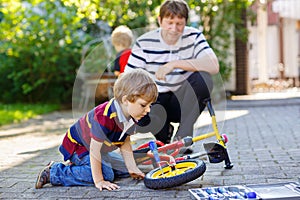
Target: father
{"x":181,"y":61}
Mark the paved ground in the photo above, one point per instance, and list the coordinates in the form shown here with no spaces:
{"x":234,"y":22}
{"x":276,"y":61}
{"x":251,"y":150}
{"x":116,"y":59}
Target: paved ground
{"x":264,"y":145}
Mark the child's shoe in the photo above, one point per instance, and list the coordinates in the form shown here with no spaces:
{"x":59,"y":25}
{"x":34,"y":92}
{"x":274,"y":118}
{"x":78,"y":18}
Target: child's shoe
{"x":44,"y":176}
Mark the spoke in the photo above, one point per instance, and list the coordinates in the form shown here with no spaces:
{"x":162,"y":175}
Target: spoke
{"x":179,"y":169}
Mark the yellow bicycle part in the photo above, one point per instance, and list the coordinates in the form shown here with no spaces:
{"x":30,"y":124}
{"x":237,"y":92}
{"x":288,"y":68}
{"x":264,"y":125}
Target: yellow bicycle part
{"x":211,"y":134}
{"x":170,"y":171}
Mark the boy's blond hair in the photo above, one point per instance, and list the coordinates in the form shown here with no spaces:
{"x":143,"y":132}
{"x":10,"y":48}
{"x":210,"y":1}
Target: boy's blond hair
{"x":123,"y":36}
{"x":135,"y":84}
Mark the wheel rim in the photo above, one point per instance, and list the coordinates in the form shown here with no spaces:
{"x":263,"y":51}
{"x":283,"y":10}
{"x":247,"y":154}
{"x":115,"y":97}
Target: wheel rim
{"x":168,"y":172}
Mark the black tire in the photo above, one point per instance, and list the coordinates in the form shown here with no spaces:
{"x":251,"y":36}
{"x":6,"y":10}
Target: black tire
{"x":188,"y":170}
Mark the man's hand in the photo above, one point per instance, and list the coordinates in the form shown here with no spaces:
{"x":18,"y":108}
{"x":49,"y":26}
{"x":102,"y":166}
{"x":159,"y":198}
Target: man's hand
{"x":106,"y":185}
{"x":164,"y":70}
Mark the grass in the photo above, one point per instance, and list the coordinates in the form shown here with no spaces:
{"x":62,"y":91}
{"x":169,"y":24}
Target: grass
{"x":14,"y":113}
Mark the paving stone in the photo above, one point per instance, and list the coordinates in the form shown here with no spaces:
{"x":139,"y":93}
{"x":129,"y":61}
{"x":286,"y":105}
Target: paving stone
{"x":263,"y":146}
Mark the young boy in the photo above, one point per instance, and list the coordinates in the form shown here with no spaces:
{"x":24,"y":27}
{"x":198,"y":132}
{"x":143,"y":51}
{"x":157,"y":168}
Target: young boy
{"x":90,"y":142}
{"x":121,"y":39}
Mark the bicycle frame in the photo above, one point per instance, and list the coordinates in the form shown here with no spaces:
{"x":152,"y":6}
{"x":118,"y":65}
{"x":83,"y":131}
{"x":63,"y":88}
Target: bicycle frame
{"x":217,"y":152}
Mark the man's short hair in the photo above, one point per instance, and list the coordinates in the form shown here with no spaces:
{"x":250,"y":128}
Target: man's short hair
{"x":172,"y":8}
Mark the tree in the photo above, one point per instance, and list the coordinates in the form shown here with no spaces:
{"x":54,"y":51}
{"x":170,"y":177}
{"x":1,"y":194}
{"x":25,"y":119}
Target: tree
{"x":40,"y":46}
{"x":41,"y":41}
{"x":222,"y":23}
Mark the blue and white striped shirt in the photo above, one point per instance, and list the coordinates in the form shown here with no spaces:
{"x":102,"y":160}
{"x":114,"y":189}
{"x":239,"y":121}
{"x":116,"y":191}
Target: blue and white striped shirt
{"x":151,"y":52}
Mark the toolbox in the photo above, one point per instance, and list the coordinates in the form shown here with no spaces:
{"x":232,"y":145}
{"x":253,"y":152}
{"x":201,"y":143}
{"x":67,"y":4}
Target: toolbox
{"x":278,"y":191}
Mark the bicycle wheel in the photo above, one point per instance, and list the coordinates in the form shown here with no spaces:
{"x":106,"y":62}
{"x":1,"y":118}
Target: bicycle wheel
{"x":183,"y":172}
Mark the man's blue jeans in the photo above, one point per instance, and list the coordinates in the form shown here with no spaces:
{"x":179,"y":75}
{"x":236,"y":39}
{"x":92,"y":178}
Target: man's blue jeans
{"x":79,"y":172}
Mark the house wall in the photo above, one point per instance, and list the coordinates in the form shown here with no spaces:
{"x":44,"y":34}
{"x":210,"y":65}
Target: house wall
{"x":288,"y":10}
{"x":291,"y":45}
{"x":290,"y":50}
{"x":272,"y":52}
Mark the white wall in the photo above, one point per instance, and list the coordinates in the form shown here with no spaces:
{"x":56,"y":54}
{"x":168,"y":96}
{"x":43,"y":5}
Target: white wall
{"x":291,"y":45}
{"x":291,"y":49}
{"x":290,"y":41}
{"x":272,"y":52}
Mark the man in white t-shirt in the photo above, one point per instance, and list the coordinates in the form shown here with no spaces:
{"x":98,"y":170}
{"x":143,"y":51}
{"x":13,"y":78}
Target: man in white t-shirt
{"x":181,"y":62}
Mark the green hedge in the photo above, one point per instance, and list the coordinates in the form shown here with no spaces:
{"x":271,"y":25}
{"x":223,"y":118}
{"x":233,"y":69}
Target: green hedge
{"x":41,"y":41}
{"x":40,"y":49}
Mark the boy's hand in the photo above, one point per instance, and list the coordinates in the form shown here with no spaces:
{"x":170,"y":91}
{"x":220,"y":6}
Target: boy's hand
{"x":138,"y":175}
{"x":106,"y":185}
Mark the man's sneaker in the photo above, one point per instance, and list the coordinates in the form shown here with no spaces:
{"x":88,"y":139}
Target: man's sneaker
{"x":170,"y":134}
{"x":186,"y":150}
{"x":44,"y":176}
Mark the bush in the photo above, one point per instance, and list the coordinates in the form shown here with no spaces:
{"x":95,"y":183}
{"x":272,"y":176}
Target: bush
{"x":40,"y":51}
{"x":41,"y":41}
